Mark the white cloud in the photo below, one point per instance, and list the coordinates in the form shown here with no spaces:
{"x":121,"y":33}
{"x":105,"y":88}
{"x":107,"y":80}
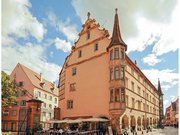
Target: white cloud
{"x":168,"y":77}
{"x":166,"y":101}
{"x":151,"y":60}
{"x":17,"y":21}
{"x":172,"y":98}
{"x":142,"y":23}
{"x":62,"y":45}
{"x":65,"y":27}
{"x":31,"y":56}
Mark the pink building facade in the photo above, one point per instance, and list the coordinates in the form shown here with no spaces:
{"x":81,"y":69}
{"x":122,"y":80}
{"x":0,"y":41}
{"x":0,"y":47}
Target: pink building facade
{"x":98,"y":79}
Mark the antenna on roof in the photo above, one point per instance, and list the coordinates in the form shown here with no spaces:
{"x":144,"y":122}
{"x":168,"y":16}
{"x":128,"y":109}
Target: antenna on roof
{"x":135,"y":62}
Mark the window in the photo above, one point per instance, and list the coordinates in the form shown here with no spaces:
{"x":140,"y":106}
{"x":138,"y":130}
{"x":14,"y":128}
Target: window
{"x":20,"y":84}
{"x":143,"y":93}
{"x":139,"y":105}
{"x":55,"y":100}
{"x":69,"y":104}
{"x":122,"y":95}
{"x":50,"y":98}
{"x":96,"y":47}
{"x":39,"y":94}
{"x":44,"y":105}
{"x":111,"y":95}
{"x":13,"y":126}
{"x":15,"y":103}
{"x":116,"y":73}
{"x":122,"y":72}
{"x":132,"y":71}
{"x":23,"y":93}
{"x":133,"y":103}
{"x":79,"y":53}
{"x":50,"y":106}
{"x":139,"y":90}
{"x":44,"y":114}
{"x":5,"y":112}
{"x":88,"y":35}
{"x":126,"y":82}
{"x":111,"y":54}
{"x":127,"y":102}
{"x":147,"y":96}
{"x":23,"y":103}
{"x":117,"y":95}
{"x":72,"y":87}
{"x":122,"y":54}
{"x":74,"y":71}
{"x":144,"y":108}
{"x":116,"y":53}
{"x":14,"y":112}
{"x":45,"y":96}
{"x":132,"y":86}
{"x":111,"y":74}
{"x":50,"y":115}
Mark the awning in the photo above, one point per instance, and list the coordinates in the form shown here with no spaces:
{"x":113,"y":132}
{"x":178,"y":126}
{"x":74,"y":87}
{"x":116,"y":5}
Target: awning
{"x":80,"y":120}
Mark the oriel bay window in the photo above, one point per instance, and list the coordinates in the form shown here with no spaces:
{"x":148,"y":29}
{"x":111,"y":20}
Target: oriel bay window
{"x":111,"y":95}
{"x":122,"y":72}
{"x":111,"y":74}
{"x":117,"y":95}
{"x":122,"y":95}
{"x":116,"y":53}
{"x":122,"y":54}
{"x":116,"y":73}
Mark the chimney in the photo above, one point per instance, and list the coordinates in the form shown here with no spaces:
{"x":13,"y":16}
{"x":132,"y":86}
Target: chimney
{"x":41,"y":77}
{"x":135,"y":62}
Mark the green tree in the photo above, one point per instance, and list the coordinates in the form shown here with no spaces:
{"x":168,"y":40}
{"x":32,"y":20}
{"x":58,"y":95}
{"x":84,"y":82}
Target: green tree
{"x":8,"y":90}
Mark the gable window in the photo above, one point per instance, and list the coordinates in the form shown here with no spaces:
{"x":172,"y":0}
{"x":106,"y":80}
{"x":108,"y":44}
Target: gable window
{"x":74,"y":71}
{"x":122,"y":54}
{"x":69,"y":104}
{"x":116,"y":53}
{"x":111,"y":54}
{"x":116,"y":72}
{"x":20,"y":84}
{"x":72,"y":87}
{"x":79,"y":53}
{"x":111,"y":74}
{"x":96,"y":47}
{"x":122,"y":72}
{"x":88,"y":35}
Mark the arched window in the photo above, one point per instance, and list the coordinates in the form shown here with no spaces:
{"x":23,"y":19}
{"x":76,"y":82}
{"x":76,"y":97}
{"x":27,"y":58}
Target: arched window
{"x":88,"y":35}
{"x":116,"y":53}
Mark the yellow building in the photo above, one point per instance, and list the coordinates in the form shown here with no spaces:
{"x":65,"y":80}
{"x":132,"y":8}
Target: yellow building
{"x":98,"y":79}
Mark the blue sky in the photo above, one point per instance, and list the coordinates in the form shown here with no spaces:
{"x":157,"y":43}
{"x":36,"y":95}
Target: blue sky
{"x":39,"y":34}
